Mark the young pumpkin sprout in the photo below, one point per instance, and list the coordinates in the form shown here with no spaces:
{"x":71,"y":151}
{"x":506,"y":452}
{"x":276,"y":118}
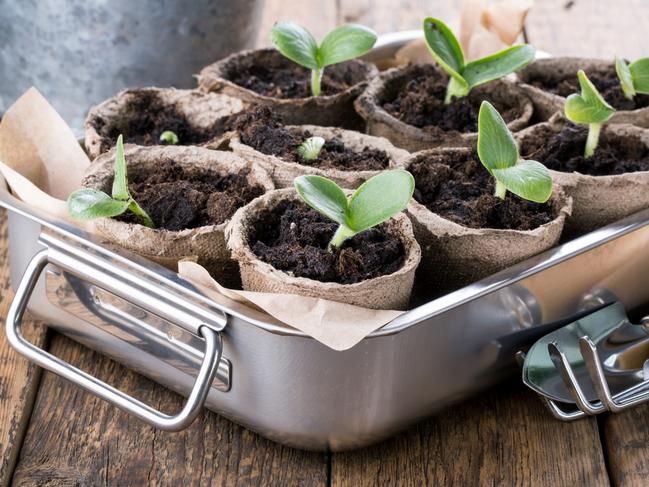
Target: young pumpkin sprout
{"x":634,"y":77}
{"x":341,"y":44}
{"x":375,"y":201}
{"x":310,"y":148}
{"x":88,"y":203}
{"x":498,"y":153}
{"x":588,"y":107}
{"x":446,"y":50}
{"x":169,"y":137}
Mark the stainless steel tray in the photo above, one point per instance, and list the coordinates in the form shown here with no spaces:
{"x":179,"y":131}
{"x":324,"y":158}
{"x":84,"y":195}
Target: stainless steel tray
{"x":274,"y":379}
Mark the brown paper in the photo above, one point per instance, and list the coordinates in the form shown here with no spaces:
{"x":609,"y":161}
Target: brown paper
{"x":40,"y":158}
{"x":486,"y":27}
{"x":44,"y":163}
{"x":339,"y":326}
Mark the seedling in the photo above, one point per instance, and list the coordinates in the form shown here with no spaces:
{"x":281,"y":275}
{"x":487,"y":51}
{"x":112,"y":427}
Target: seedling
{"x":341,"y":44}
{"x":446,"y":50}
{"x":498,"y":153}
{"x":375,"y":201}
{"x":588,"y":107}
{"x":169,"y":137}
{"x":88,"y":203}
{"x":634,"y":77}
{"x":310,"y":148}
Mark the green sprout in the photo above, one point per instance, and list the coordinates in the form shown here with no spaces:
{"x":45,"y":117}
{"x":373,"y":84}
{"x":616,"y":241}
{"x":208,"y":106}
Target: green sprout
{"x":446,"y":50}
{"x":169,"y":137}
{"x":634,"y":77}
{"x":498,"y":153}
{"x":310,"y":148}
{"x":88,"y":203}
{"x":588,"y":107}
{"x":341,"y":44}
{"x":375,"y":201}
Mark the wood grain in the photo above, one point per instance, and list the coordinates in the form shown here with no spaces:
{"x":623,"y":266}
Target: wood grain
{"x":18,"y":379}
{"x":626,"y":442}
{"x":590,"y":28}
{"x":77,"y":439}
{"x":505,"y":437}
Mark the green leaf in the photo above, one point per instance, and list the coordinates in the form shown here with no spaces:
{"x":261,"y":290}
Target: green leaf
{"x":444,"y":47}
{"x":624,"y":75}
{"x":138,"y":211}
{"x":528,"y":179}
{"x":640,"y":73}
{"x":379,"y":198}
{"x":344,"y":43}
{"x":310,"y":148}
{"x":498,"y":65}
{"x":296,"y":43}
{"x":589,"y":106}
{"x":88,"y":204}
{"x":169,"y":137}
{"x":323,"y":195}
{"x":496,"y":146}
{"x":120,"y":183}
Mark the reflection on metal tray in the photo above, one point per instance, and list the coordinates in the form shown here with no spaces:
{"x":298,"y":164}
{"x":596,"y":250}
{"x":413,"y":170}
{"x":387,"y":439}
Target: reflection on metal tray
{"x":274,"y":379}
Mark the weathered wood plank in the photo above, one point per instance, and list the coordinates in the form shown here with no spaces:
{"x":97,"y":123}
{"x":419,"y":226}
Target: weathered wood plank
{"x":77,"y":439}
{"x":590,"y":28}
{"x":626,"y":440}
{"x":18,"y":379}
{"x":317,"y":16}
{"x":389,"y":16}
{"x":505,"y":437}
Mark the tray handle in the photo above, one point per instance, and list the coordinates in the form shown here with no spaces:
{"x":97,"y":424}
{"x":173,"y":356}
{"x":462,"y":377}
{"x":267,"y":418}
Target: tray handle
{"x":195,"y":400}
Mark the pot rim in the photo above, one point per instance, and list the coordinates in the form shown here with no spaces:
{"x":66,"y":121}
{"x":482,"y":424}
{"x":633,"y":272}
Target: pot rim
{"x":213,"y":72}
{"x":243,"y":252}
{"x":368,"y":107}
{"x":397,"y":155}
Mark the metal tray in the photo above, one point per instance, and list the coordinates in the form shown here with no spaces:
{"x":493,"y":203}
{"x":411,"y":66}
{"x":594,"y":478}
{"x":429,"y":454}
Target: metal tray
{"x":275,"y":380}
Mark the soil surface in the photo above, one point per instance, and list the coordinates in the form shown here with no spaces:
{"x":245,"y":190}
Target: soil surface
{"x":421,"y":103}
{"x":177,"y":199}
{"x":290,"y":80}
{"x":262,"y":130}
{"x":461,"y":190}
{"x":564,"y":151}
{"x":293,"y":238}
{"x":607,"y":84}
{"x":146,"y":116}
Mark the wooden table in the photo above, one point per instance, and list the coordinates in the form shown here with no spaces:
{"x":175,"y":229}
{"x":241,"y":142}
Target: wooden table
{"x":52,"y":433}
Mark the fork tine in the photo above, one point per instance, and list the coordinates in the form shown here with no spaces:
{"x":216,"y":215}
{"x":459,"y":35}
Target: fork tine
{"x":561,"y":363}
{"x":596,"y":372}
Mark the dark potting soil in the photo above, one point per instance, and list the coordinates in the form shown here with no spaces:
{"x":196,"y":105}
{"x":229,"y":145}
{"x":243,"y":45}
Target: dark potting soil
{"x":564,"y":151}
{"x":146,"y":116}
{"x":606,"y":83}
{"x":262,"y":130}
{"x":421,"y":103}
{"x":461,"y":190}
{"x":293,"y":238}
{"x":290,"y":80}
{"x":176,"y":199}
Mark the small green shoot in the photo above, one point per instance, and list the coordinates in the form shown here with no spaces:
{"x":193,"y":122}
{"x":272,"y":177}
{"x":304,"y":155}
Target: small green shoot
{"x":375,"y":201}
{"x":498,"y":153}
{"x":634,"y":77}
{"x":88,"y":203}
{"x":588,"y":107}
{"x":169,"y":137}
{"x":310,"y":148}
{"x":341,"y":44}
{"x":446,"y":50}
